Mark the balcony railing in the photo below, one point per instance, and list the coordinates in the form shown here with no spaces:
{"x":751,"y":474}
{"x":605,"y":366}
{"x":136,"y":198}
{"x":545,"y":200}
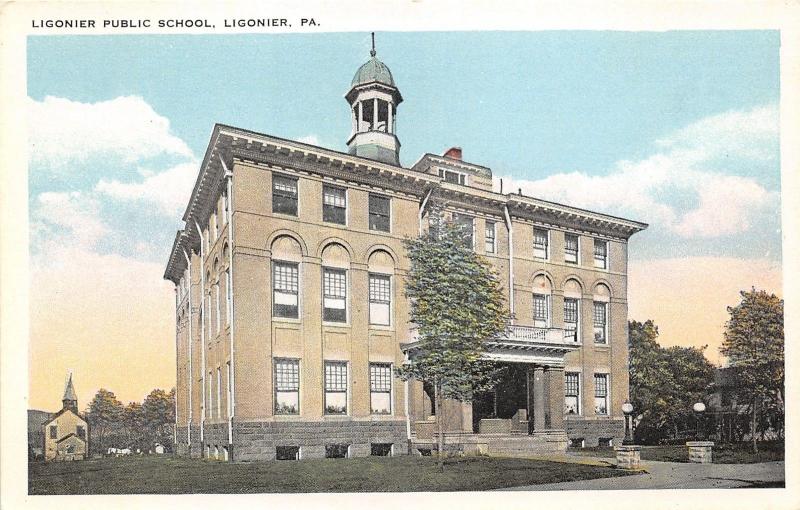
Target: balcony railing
{"x":540,"y":335}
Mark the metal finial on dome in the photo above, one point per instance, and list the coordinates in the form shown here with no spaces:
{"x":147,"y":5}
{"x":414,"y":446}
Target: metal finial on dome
{"x":372,"y":52}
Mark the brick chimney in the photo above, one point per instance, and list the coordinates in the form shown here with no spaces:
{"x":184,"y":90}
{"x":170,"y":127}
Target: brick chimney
{"x":453,"y":152}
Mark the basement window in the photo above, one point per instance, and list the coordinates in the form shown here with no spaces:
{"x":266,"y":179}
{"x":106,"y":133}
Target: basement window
{"x":337,"y":451}
{"x":381,"y":449}
{"x":605,"y":442}
{"x":577,"y":442}
{"x":287,"y":453}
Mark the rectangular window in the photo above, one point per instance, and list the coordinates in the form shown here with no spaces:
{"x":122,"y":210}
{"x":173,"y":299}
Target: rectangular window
{"x":600,"y":323}
{"x":335,"y":387}
{"x":287,"y":386}
{"x":219,"y":312}
{"x":216,"y":226}
{"x":210,"y":403}
{"x":334,"y":205}
{"x":285,"y":288}
{"x":572,"y":393}
{"x":380,"y":388}
{"x":571,"y":319}
{"x":334,"y":295}
{"x":540,"y":243}
{"x":571,"y":248}
{"x":229,"y":378}
{"x":208,"y":305}
{"x":219,"y":392}
{"x":225,"y":211}
{"x":53,"y":432}
{"x":81,"y":431}
{"x":541,"y":310}
{"x":466,"y":223}
{"x":380,"y":299}
{"x":284,"y":195}
{"x":601,"y":394}
{"x":600,"y":254}
{"x":379,"y":213}
{"x":287,"y":453}
{"x":490,"y":241}
{"x":228,"y":298}
{"x":605,"y":442}
{"x":453,"y":177}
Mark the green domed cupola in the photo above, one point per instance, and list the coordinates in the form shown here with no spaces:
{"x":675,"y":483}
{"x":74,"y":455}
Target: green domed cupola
{"x":373,"y":70}
{"x":373,"y":99}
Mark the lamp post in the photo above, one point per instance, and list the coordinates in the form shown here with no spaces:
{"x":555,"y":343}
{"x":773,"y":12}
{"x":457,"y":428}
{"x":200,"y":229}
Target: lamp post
{"x":627,"y":410}
{"x":698,"y":409}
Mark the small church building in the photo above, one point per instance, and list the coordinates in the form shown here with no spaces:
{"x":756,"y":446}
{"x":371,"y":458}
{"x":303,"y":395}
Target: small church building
{"x":66,"y":432}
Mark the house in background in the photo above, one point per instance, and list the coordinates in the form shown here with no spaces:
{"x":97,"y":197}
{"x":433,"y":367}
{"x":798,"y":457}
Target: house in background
{"x":65,"y":433}
{"x":291,"y":315}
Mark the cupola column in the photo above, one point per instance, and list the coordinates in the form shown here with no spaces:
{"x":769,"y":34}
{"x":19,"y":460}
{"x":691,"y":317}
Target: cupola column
{"x":360,"y":116}
{"x":375,"y":114}
{"x":389,"y":126}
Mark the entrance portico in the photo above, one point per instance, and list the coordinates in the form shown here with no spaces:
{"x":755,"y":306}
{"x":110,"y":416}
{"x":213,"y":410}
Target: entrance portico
{"x":524,"y":413}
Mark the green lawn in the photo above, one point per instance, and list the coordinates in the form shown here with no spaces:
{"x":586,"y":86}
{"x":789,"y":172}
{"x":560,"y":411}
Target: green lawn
{"x":167,"y":475}
{"x":736,"y":453}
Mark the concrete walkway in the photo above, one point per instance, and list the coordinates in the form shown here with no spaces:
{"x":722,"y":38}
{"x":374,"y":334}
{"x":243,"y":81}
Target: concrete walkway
{"x":672,"y":475}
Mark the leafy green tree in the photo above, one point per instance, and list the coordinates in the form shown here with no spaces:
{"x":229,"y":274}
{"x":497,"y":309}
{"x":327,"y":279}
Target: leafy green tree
{"x":664,"y":383}
{"x":134,"y":426}
{"x":103,"y":416}
{"x":158,"y":413}
{"x":754,"y":347}
{"x":456,"y":304}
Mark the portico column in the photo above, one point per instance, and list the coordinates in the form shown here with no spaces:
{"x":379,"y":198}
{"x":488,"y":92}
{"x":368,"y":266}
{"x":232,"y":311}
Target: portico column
{"x":538,"y":398}
{"x":555,"y":386}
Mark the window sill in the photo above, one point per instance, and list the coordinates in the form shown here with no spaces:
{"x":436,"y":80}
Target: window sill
{"x":285,"y":215}
{"x":602,"y":346}
{"x":378,"y":327}
{"x":287,"y":320}
{"x":335,"y":324}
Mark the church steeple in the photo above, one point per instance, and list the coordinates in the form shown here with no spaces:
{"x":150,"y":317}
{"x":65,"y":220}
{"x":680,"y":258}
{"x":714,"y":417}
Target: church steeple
{"x":70,"y":399}
{"x":373,"y":99}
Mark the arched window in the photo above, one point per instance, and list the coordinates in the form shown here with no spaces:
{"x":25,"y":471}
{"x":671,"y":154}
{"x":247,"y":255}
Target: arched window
{"x":572,"y":310}
{"x":335,"y":266}
{"x":542,"y":299}
{"x":286,"y":257}
{"x":601,"y":299}
{"x":381,"y":271}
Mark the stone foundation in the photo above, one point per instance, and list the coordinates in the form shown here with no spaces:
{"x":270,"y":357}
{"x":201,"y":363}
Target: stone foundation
{"x":183,"y":448}
{"x":591,"y":431}
{"x":258,"y":440}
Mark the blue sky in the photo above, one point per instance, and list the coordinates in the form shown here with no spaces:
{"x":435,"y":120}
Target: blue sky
{"x":676,"y":129}
{"x":527,"y":104}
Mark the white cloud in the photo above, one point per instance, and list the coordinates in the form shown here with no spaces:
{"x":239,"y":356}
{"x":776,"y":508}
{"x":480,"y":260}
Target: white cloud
{"x":66,"y":218}
{"x":62,"y":131}
{"x":663,"y":188}
{"x":742,"y":133}
{"x":168,"y":190}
